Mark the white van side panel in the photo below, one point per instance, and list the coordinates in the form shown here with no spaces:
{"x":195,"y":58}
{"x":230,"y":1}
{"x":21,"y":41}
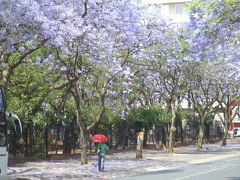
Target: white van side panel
{"x":3,"y":163}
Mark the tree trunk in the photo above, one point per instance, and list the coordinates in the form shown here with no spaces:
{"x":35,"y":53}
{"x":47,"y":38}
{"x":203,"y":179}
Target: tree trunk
{"x":82,"y":127}
{"x":145,"y":137}
{"x":173,"y":128}
{"x":176,"y":134}
{"x":46,"y":142}
{"x":201,"y":132}
{"x":82,"y":137}
{"x":226,"y":127}
{"x":31,"y":138}
{"x":224,"y":140}
{"x":25,"y":137}
{"x":121,"y":136}
{"x":15,"y":143}
{"x":125,"y":142}
{"x":83,"y":147}
{"x":124,"y":136}
{"x":158,"y":134}
{"x":140,"y":138}
{"x":207,"y":131}
{"x":110,"y":136}
{"x":181,"y":131}
{"x":164,"y":142}
{"x":67,"y":146}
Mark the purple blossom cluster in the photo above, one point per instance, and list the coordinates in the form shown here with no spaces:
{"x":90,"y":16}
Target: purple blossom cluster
{"x":121,"y":38}
{"x":214,"y":31}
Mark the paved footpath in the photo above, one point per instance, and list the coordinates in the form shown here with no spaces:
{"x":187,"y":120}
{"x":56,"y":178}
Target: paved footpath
{"x":123,"y":164}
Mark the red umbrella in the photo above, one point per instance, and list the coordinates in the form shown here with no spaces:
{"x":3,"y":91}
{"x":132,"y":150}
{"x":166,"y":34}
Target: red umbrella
{"x":100,"y":138}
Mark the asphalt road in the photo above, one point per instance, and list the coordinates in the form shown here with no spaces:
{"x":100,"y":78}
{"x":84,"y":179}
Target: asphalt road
{"x":225,"y":169}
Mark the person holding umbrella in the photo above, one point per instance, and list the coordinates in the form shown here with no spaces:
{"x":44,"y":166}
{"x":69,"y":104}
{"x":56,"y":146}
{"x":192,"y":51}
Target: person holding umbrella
{"x":101,"y":149}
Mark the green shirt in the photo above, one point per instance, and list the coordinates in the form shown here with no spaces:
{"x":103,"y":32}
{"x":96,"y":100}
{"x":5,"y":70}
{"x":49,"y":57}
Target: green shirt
{"x":103,"y":148}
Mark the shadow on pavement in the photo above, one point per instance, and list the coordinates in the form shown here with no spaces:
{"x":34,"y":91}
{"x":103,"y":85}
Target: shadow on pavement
{"x":162,"y":172}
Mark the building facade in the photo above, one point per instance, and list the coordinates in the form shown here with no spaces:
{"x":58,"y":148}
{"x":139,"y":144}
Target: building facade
{"x":174,"y":10}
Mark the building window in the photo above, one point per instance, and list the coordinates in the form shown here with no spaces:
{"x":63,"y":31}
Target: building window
{"x":178,"y":8}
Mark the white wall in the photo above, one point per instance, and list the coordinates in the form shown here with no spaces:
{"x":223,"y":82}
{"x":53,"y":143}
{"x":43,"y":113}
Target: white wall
{"x":175,"y":18}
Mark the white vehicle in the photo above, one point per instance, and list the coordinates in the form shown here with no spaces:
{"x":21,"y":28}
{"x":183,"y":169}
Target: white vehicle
{"x":3,"y":134}
{"x":236,"y":132}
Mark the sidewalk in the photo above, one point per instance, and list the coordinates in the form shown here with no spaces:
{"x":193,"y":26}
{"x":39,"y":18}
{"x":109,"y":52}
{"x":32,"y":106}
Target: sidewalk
{"x":123,"y":164}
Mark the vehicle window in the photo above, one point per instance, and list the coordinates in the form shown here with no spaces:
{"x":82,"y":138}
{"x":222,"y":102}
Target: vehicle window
{"x":3,"y":137}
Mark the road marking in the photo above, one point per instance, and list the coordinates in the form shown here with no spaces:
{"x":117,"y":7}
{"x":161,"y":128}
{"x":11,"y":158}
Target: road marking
{"x":205,"y":172}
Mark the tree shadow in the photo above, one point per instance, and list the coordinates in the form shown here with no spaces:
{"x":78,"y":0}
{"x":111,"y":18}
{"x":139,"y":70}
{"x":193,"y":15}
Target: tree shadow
{"x":165,"y":171}
{"x":209,"y":151}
